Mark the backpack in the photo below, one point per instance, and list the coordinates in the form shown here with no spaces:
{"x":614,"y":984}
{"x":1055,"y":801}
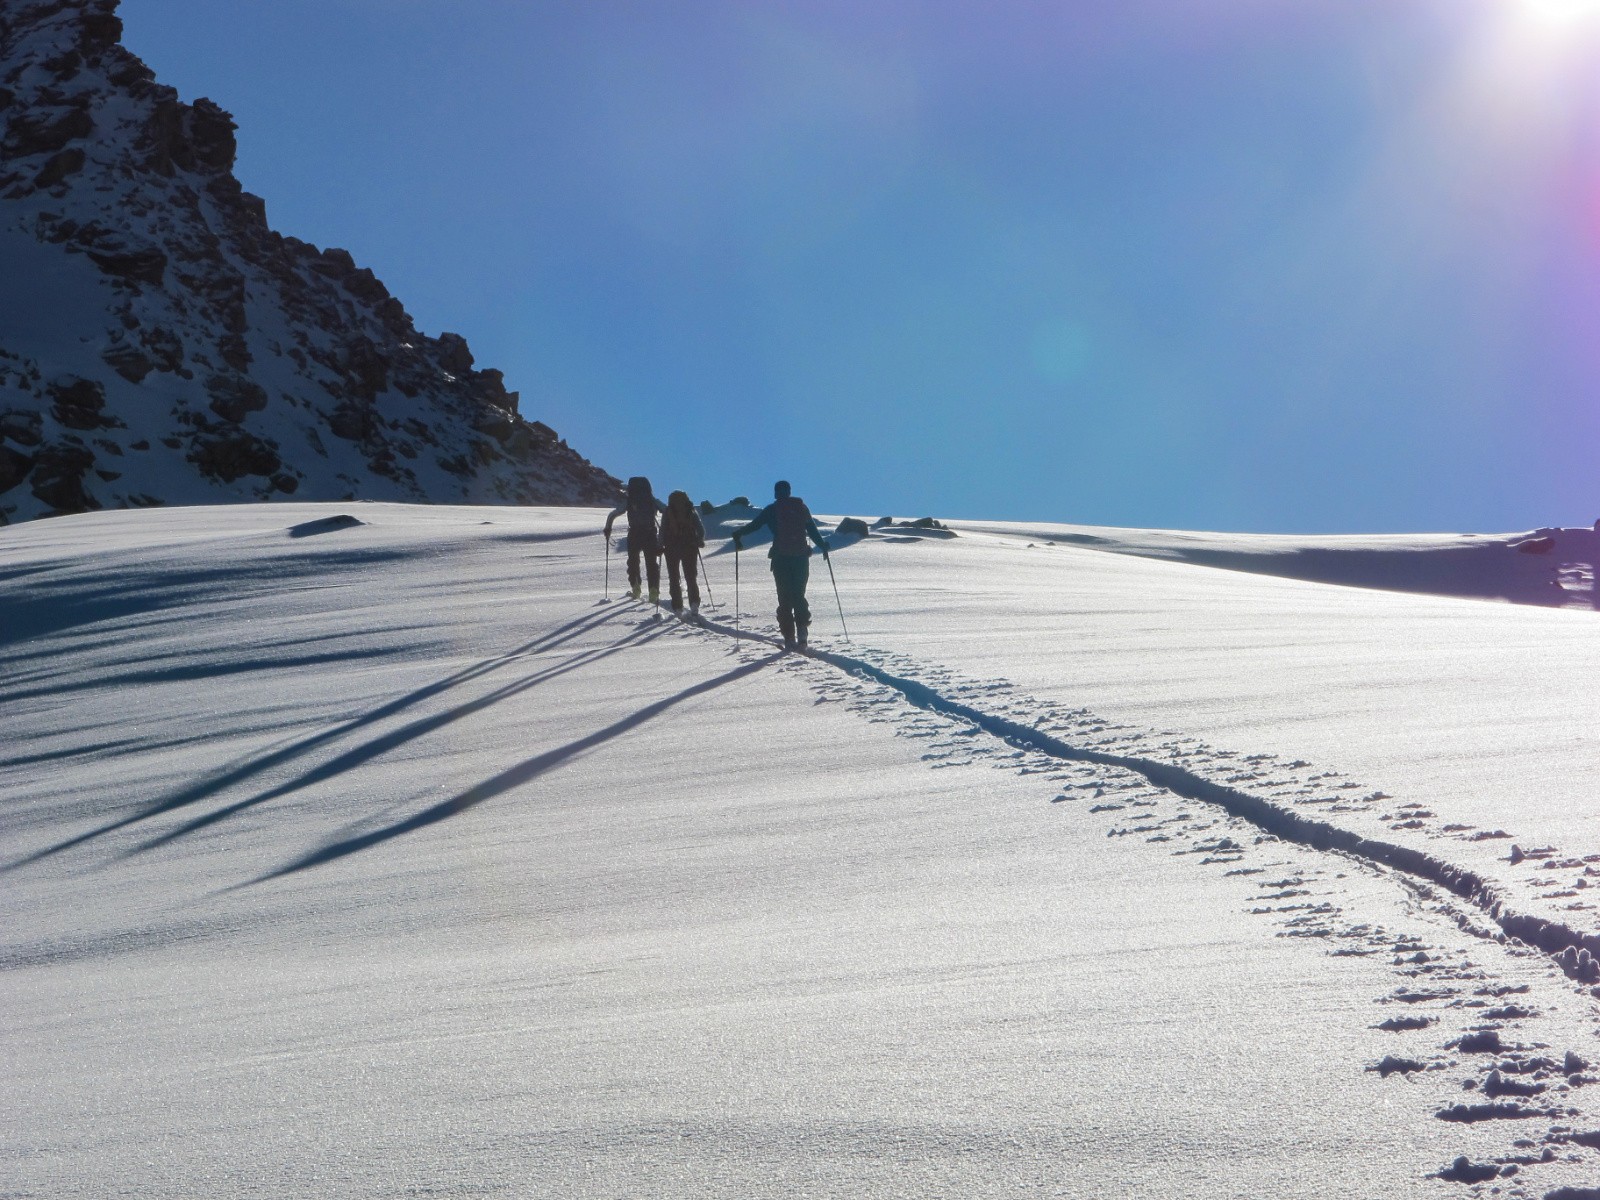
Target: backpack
{"x":681,"y":523}
{"x":641,"y":506}
{"x":790,"y":516}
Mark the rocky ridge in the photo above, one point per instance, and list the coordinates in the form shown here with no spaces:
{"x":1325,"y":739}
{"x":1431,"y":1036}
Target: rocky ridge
{"x":160,"y":344}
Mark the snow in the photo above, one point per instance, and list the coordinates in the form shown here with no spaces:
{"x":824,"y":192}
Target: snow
{"x":1486,"y":714}
{"x":383,"y":857}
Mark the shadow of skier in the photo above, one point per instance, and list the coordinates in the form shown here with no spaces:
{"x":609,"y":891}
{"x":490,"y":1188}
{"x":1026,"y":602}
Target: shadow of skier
{"x":256,"y":765}
{"x":513,"y":777}
{"x":360,"y":755}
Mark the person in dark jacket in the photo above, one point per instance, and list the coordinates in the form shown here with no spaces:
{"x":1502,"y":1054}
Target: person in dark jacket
{"x":682,"y":535}
{"x":641,"y":507}
{"x":791,"y":524}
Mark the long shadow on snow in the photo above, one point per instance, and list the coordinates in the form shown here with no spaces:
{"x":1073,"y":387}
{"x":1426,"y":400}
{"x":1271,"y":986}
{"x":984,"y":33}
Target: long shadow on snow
{"x":124,"y":632}
{"x":74,"y":601}
{"x":267,"y":723}
{"x":513,"y":777}
{"x":93,"y":748}
{"x":365,"y":753}
{"x":203,"y":671}
{"x":254,"y":766}
{"x":149,"y":663}
{"x":13,"y":573}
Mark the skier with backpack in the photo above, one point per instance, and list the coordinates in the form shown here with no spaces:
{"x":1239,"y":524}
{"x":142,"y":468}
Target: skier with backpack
{"x":682,"y":535}
{"x":791,"y":524}
{"x":641,"y":508}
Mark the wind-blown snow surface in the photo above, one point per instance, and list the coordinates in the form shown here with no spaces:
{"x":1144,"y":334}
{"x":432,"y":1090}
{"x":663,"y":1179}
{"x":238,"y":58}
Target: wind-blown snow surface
{"x":383,"y":857}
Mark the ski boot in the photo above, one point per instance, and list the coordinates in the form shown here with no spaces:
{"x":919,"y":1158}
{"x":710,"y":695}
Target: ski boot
{"x":786,"y":624}
{"x":635,"y":590}
{"x":802,"y":632}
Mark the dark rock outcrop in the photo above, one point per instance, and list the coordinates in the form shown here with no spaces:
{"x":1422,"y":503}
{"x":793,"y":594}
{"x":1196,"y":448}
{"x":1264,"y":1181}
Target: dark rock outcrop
{"x":22,"y":427}
{"x":143,"y":266}
{"x":58,"y":471}
{"x":233,"y":454}
{"x":14,"y":467}
{"x":45,"y":131}
{"x":234,"y":397}
{"x":77,"y":403}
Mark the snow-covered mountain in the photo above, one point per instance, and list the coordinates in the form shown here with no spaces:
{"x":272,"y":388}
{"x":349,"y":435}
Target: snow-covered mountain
{"x":160,"y":344}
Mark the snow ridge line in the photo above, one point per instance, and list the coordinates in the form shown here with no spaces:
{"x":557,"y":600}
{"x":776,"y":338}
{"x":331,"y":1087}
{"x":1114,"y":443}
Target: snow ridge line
{"x":1576,"y":950}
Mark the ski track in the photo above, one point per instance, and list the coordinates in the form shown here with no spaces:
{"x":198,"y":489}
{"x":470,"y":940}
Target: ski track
{"x":1485,"y":1060}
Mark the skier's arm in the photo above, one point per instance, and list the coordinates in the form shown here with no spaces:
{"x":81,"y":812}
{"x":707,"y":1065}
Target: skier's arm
{"x":766,"y":515}
{"x":615,"y":513}
{"x":816,"y":535}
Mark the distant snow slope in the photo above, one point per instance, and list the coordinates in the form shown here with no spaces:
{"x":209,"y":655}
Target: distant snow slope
{"x":1550,"y":567}
{"x":159,"y":344}
{"x":366,"y":850}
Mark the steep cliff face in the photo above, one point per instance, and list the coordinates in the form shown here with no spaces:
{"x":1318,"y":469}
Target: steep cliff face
{"x":159,"y":344}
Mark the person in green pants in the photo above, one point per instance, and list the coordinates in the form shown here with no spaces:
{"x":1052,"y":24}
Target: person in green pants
{"x":791,"y":524}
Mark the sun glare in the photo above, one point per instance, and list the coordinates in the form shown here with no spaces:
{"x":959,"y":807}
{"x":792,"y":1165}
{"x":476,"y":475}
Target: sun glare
{"x":1562,"y":12}
{"x":1543,"y":48}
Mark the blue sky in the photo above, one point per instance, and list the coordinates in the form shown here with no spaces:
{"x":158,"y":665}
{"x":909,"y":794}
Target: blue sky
{"x":1319,"y":266}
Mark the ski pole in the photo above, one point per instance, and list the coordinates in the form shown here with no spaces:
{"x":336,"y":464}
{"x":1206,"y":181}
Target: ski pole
{"x":736,"y":613}
{"x":608,"y":566}
{"x":827,"y":559}
{"x":704,"y":577}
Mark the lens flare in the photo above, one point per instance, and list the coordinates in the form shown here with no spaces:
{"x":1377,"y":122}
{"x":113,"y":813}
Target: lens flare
{"x":1561,"y":12}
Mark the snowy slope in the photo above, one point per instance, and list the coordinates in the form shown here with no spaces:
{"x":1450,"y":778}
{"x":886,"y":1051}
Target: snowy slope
{"x":1484,"y":714}
{"x":160,"y":344}
{"x":1550,"y":567}
{"x":383,"y":857}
